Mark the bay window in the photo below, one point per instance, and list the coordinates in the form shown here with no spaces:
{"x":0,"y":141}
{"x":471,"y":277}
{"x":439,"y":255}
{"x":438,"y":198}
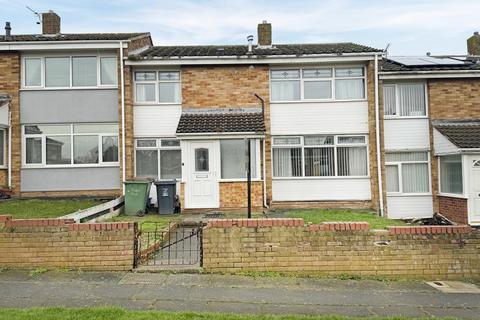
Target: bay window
{"x":70,"y":145}
{"x":157,"y":87}
{"x":451,"y":177}
{"x":320,"y":156}
{"x":405,"y":99}
{"x":233,"y":158}
{"x":158,"y":158}
{"x":317,"y":84}
{"x":69,"y":71}
{"x":407,"y":172}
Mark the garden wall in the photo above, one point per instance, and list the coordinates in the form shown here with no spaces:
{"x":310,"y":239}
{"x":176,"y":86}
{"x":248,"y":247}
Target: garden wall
{"x":337,"y":249}
{"x":61,"y":243}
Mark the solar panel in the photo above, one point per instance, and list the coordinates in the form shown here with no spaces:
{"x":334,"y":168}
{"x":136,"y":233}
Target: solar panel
{"x":425,"y":61}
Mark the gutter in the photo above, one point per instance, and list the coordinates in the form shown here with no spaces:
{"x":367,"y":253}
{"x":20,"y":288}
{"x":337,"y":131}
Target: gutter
{"x":377,"y":136}
{"x":122,"y":85}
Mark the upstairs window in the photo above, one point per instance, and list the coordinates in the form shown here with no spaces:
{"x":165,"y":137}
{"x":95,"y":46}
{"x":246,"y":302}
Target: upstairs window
{"x":405,"y":100}
{"x":69,"y":71}
{"x":312,"y":84}
{"x":157,"y":87}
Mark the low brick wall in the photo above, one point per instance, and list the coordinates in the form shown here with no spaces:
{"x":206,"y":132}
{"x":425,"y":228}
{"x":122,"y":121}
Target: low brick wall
{"x":454,"y":209}
{"x":61,"y":243}
{"x":288,"y":245}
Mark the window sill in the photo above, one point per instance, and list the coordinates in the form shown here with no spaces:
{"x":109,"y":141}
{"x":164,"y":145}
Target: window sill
{"x":153,"y":104}
{"x":318,"y":101}
{"x":239,"y":180}
{"x":114,"y":165}
{"x":409,"y":194}
{"x":3,"y":167}
{"x":69,"y":88}
{"x":322,"y":178}
{"x":404,"y":117}
{"x":452,"y":195}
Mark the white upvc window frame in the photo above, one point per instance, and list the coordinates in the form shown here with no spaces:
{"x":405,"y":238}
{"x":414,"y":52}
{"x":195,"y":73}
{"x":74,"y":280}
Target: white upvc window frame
{"x":257,"y":165}
{"x":156,"y":84}
{"x":335,"y":146}
{"x":397,"y":99}
{"x":464,"y":194}
{"x":158,"y":148}
{"x":332,"y":78}
{"x":399,"y":164}
{"x":43,"y":86}
{"x":72,"y":135}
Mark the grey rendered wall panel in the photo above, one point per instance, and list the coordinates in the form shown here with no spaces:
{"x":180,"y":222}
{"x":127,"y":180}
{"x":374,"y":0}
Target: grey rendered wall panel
{"x":70,"y":179}
{"x":60,"y":106}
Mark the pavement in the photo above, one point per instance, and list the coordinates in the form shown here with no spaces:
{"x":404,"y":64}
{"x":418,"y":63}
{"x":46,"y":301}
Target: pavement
{"x":237,"y":294}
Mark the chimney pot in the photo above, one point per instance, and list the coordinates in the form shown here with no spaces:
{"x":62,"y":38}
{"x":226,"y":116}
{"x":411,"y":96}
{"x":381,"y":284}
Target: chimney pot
{"x":8,"y":30}
{"x":264,"y":31}
{"x":50,"y":23}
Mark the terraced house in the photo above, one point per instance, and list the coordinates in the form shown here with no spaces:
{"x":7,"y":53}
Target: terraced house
{"x":328,"y":125}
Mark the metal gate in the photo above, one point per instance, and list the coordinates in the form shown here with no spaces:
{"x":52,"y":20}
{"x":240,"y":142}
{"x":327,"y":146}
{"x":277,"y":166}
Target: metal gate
{"x":179,"y":245}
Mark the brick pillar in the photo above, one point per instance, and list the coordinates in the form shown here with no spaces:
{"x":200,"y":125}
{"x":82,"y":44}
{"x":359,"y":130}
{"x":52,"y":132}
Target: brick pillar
{"x":10,"y":84}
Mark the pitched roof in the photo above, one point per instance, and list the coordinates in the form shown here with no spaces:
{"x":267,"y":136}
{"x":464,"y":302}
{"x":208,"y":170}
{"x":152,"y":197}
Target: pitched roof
{"x":464,"y":134}
{"x":242,"y":50}
{"x":234,"y":120}
{"x":391,"y":65}
{"x":72,"y":37}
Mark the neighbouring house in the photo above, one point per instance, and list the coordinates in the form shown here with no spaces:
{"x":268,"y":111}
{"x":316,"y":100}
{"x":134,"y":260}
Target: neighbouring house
{"x":61,"y":110}
{"x":328,"y":124}
{"x":431,"y":130}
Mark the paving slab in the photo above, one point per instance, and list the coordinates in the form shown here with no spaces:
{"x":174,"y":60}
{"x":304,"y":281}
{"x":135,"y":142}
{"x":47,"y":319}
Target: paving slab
{"x":237,"y":294}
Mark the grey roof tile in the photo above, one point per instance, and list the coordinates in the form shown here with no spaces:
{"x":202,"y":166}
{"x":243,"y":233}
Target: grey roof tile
{"x":72,"y":37}
{"x":465,"y":134}
{"x":233,"y":120}
{"x":242,"y":50}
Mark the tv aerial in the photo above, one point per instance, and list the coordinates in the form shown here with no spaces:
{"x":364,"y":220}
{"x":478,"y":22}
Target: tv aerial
{"x":38,"y":15}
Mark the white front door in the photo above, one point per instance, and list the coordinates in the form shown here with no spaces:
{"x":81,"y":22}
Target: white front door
{"x":201,"y":189}
{"x":474,"y":212}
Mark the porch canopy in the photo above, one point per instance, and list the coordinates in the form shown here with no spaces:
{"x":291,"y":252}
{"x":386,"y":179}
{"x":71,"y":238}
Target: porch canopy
{"x":4,"y":108}
{"x":456,"y":136}
{"x":224,"y":121}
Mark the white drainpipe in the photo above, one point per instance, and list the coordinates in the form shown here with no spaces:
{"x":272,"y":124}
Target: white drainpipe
{"x":122,"y":85}
{"x":377,"y":133}
{"x":9,"y":150}
{"x":264,"y":177}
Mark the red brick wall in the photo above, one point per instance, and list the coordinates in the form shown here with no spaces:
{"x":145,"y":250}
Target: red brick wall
{"x":345,"y":248}
{"x":61,"y":243}
{"x":454,"y":209}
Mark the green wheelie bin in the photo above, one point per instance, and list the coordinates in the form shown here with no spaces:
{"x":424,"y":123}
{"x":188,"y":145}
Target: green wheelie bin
{"x":136,"y":196}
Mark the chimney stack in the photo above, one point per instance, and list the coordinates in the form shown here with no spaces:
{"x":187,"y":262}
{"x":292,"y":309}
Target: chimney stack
{"x":50,"y":23}
{"x":8,"y":31}
{"x":473,"y":44}
{"x":264,"y":31}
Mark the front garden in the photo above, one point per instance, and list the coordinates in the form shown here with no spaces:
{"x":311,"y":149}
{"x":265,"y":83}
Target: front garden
{"x":43,"y":208}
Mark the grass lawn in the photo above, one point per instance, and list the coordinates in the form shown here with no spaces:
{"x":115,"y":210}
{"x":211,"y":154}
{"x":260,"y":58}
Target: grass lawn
{"x":149,"y":222}
{"x":43,"y":208}
{"x":327,"y":215}
{"x":121,"y":314}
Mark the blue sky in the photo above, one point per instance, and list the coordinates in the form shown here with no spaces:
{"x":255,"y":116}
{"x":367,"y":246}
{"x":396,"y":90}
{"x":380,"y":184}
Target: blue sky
{"x":413,"y":27}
